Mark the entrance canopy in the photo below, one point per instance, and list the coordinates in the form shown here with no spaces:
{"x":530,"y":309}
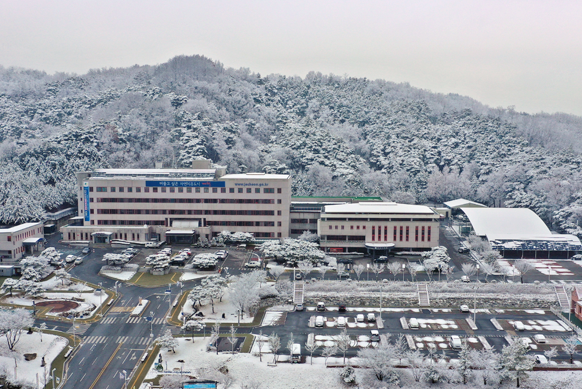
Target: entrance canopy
{"x":380,"y":246}
{"x":31,"y":241}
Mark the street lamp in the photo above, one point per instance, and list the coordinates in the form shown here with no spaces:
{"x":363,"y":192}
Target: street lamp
{"x":53,"y":375}
{"x":152,"y":324}
{"x":124,"y":372}
{"x":475,"y":305}
{"x":101,"y":299}
{"x":381,"y":301}
{"x":549,"y":272}
{"x":368,"y":271}
{"x":403,"y":270}
{"x":477,"y":272}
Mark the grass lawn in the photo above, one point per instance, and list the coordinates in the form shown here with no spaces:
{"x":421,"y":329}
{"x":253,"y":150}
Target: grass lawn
{"x":145,"y":279}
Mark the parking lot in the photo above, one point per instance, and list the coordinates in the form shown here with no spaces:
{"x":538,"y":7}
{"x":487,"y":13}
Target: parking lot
{"x":435,"y":327}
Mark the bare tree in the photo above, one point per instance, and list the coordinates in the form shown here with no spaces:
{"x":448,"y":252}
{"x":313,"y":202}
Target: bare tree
{"x":193,"y":325}
{"x":341,"y":268}
{"x":523,"y":267}
{"x":377,"y":268}
{"x":311,"y":347}
{"x":487,"y":269}
{"x":469,"y":269}
{"x":290,"y":344}
{"x":359,"y":269}
{"x":395,"y":268}
{"x":232,"y":338}
{"x":416,"y":363}
{"x":343,"y":342}
{"x":12,"y":323}
{"x":328,"y":351}
{"x":276,"y":272}
{"x":275,"y":345}
{"x":569,"y":347}
{"x":322,"y":270}
{"x":412,"y":271}
{"x":551,"y":353}
{"x":305,"y":268}
{"x":260,"y":345}
{"x":215,"y":335}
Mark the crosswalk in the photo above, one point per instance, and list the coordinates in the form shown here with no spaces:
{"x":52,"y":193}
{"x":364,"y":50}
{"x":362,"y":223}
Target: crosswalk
{"x":130,"y":320}
{"x":139,"y":340}
{"x":121,"y":309}
{"x":566,"y":282}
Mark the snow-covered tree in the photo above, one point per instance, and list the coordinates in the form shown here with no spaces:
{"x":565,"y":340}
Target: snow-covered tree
{"x":193,"y":325}
{"x":377,"y":268}
{"x":293,"y":250}
{"x":514,"y":361}
{"x":63,"y":276}
{"x":274,"y":345}
{"x":12,"y":323}
{"x":276,"y":272}
{"x":469,"y":269}
{"x":9,"y":284}
{"x":311,"y":347}
{"x":232,"y":338}
{"x":41,"y":328}
{"x":523,"y":267}
{"x":464,"y":367}
{"x":214,"y":287}
{"x":37,"y":268}
{"x":343,"y":342}
{"x":395,"y":268}
{"x":359,"y":269}
{"x":168,"y":341}
{"x":569,"y":347}
{"x":30,"y":288}
{"x":243,"y":292}
{"x":236,"y":238}
{"x":309,"y":237}
{"x":379,"y":360}
{"x":290,"y":344}
{"x":436,"y":259}
{"x":205,"y":260}
{"x":551,"y":353}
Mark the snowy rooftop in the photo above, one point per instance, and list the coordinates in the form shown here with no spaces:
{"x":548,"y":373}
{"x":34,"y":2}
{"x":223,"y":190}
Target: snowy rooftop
{"x":506,"y":223}
{"x":255,"y":176}
{"x":379,"y":208}
{"x":137,"y":173}
{"x":18,"y":228}
{"x":458,"y":203}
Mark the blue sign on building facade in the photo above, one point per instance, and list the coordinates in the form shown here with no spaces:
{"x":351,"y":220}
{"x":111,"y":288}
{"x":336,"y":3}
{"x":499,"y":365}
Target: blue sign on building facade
{"x":86,"y":200}
{"x":186,"y":184}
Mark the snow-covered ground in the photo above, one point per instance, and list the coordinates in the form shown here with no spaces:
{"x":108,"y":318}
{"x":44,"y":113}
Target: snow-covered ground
{"x":90,"y":300}
{"x":229,"y":310}
{"x":122,"y":276}
{"x":55,"y":284}
{"x":187,"y":276}
{"x":29,"y":371}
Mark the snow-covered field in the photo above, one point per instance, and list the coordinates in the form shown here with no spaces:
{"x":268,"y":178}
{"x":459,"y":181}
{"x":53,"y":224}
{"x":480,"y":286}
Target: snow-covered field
{"x":90,"y":300}
{"x":229,"y":310}
{"x":29,"y":371}
{"x":55,"y":284}
{"x":122,"y":276}
{"x":187,"y":276}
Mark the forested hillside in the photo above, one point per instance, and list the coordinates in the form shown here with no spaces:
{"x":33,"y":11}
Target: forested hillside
{"x":335,"y":135}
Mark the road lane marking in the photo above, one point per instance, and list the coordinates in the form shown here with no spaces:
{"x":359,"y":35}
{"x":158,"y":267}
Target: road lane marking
{"x":105,"y":367}
{"x":83,"y":376}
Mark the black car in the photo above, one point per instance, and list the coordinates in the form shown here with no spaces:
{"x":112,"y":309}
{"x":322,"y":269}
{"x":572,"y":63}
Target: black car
{"x":463,"y":250}
{"x":342,"y":308}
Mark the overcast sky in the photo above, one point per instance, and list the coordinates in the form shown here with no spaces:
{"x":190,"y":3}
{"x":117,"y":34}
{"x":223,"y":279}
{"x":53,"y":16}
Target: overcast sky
{"x":522,"y":53}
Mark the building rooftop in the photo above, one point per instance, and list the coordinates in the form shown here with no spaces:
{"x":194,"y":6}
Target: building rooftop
{"x":459,"y":203}
{"x":255,"y":176}
{"x":379,"y":208}
{"x":504,"y":223}
{"x":18,"y":228}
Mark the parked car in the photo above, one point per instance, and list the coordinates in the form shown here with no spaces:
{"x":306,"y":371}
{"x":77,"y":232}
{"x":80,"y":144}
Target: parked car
{"x":456,"y":341}
{"x":298,"y":276}
{"x":70,"y":258}
{"x":541,"y":359}
{"x":320,"y":306}
{"x":465,"y":279}
{"x":341,"y":322}
{"x":343,"y":275}
{"x":464,"y":308}
{"x":374,"y":336}
{"x":518,"y":326}
{"x":86,"y":250}
{"x":540,"y":338}
{"x":221,"y":254}
{"x":360,"y":318}
{"x":319,"y":321}
{"x":299,"y":307}
{"x":371,"y":317}
{"x":381,"y":258}
{"x":253,"y":264}
{"x":341,"y":308}
{"x":463,"y":250}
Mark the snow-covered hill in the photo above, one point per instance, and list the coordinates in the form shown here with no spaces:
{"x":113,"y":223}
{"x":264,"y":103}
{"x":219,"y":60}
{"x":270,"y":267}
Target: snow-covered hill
{"x":336,"y":135}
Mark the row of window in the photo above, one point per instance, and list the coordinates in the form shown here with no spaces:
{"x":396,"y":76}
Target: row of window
{"x":24,"y":235}
{"x":183,"y":212}
{"x":185,"y":201}
{"x":344,"y":237}
{"x":242,"y":223}
{"x":402,"y":233}
{"x":138,"y":189}
{"x":129,"y":222}
{"x":304,"y":221}
{"x":342,"y":227}
{"x":365,"y":219}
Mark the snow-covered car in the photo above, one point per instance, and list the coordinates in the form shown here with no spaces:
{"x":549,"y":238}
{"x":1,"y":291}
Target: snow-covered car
{"x":577,"y":257}
{"x":221,"y":254}
{"x":371,"y":317}
{"x":456,"y":341}
{"x":70,"y":258}
{"x":86,"y":250}
{"x":319,"y":321}
{"x":541,"y":359}
{"x":540,"y":338}
{"x":374,"y":336}
{"x":463,"y":250}
{"x":186,"y":251}
{"x":298,"y":276}
{"x":465,"y":279}
{"x":464,"y":308}
{"x":360,"y":317}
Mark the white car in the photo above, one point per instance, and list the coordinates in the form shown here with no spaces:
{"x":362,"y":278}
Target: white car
{"x":540,"y":338}
{"x":456,"y":341}
{"x":78,"y":261}
{"x":221,"y":254}
{"x":70,"y":258}
{"x":464,"y":308}
{"x":360,"y":318}
{"x":541,"y":359}
{"x":465,"y":279}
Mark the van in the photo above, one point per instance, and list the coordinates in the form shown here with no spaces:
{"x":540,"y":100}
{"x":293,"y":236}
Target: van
{"x":319,"y":322}
{"x":455,"y":341}
{"x":341,"y":322}
{"x":320,"y":306}
{"x":296,"y":354}
{"x":413,"y":324}
{"x":518,"y":326}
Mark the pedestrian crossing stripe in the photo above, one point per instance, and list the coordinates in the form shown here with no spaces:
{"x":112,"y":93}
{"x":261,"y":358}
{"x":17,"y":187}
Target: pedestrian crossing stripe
{"x":109,"y":320}
{"x":121,"y":309}
{"x":565,"y":282}
{"x":135,"y":320}
{"x":133,"y":340}
{"x":95,"y":339}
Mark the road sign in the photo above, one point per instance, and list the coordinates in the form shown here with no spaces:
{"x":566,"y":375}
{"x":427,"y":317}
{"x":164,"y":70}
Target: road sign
{"x":168,"y":291}
{"x":149,"y":318}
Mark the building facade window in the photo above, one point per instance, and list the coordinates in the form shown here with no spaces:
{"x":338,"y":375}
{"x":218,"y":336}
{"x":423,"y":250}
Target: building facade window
{"x":279,"y":190}
{"x":163,"y":190}
{"x":214,"y":190}
{"x":373,"y":233}
{"x":138,"y":190}
{"x":268,"y":190}
{"x":101,"y":189}
{"x":416,"y":234}
{"x":222,"y":190}
{"x":129,"y":189}
{"x":230,"y":190}
{"x":407,"y":233}
{"x":401,"y":233}
{"x":428,"y":234}
{"x":422,"y":234}
{"x":112,"y":189}
{"x":394,"y":237}
{"x":240,"y":190}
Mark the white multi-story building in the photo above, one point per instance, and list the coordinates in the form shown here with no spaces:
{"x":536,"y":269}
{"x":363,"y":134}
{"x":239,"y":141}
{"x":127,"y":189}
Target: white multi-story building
{"x":378,"y":226}
{"x":176,"y":205}
{"x":17,"y":241}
